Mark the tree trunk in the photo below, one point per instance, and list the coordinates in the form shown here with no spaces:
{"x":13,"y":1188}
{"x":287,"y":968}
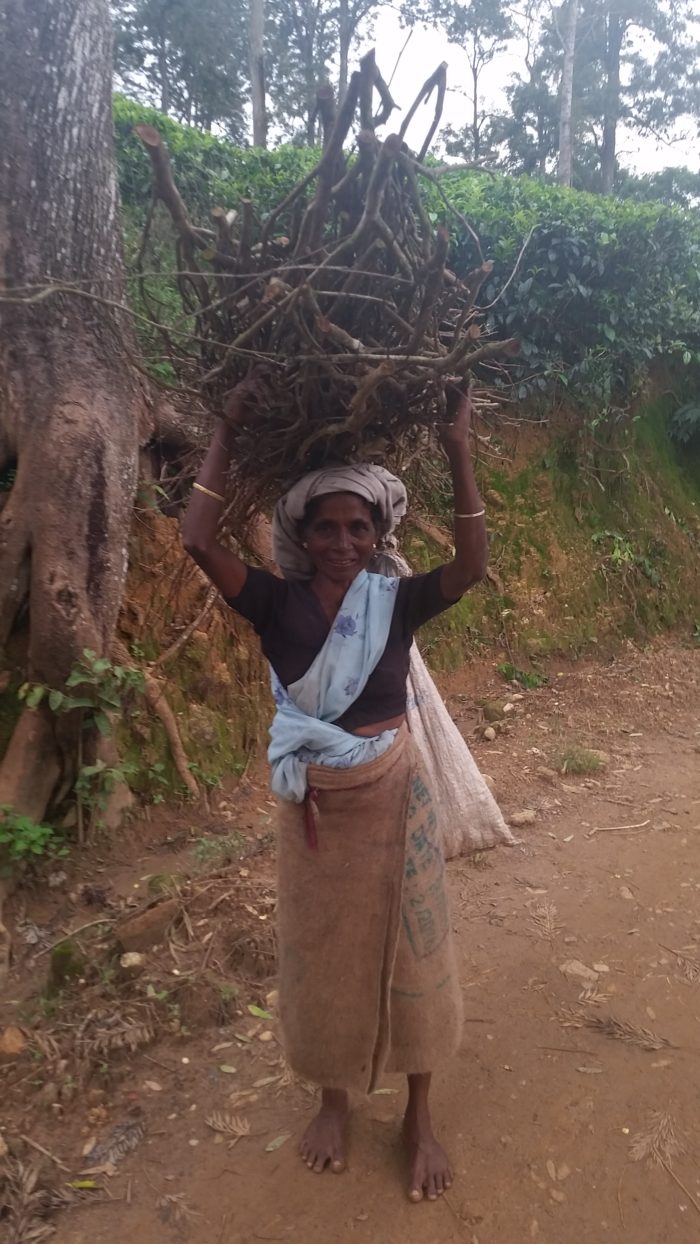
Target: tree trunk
{"x":69,"y":399}
{"x":344,"y":41}
{"x":256,"y":58}
{"x":615,"y":35}
{"x":163,"y":73}
{"x":476,"y":133}
{"x":566,"y":95}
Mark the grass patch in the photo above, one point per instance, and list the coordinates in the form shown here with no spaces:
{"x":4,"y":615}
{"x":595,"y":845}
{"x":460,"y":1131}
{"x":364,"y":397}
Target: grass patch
{"x":529,"y":681}
{"x":579,"y":760}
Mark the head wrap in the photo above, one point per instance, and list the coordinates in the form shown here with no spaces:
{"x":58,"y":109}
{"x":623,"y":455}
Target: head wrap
{"x":374,"y":484}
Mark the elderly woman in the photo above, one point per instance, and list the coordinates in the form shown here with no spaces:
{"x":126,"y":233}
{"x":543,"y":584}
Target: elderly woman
{"x":368,"y":980}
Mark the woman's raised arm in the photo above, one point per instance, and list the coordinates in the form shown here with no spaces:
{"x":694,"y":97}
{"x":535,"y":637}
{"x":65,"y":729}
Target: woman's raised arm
{"x":201,"y":522}
{"x":471,"y":545}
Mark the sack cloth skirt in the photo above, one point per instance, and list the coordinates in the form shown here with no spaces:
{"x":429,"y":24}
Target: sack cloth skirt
{"x":367,"y":973}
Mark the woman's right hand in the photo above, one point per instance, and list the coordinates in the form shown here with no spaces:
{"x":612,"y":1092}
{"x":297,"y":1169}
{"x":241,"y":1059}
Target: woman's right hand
{"x":244,"y":398}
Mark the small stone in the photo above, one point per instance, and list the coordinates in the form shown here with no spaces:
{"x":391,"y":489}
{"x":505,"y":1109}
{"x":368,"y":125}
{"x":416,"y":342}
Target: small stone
{"x":556,"y":1194}
{"x":551,"y":1170}
{"x":13,"y":1043}
{"x":577,"y":972}
{"x":526,"y":817}
{"x":489,"y":734}
{"x":600,"y":967}
{"x":508,"y":708}
{"x":626,"y":894}
{"x":547,"y":775}
{"x":132,"y":963}
{"x":563,"y":1172}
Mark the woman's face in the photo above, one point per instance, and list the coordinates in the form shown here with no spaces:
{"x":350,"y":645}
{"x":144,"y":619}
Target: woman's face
{"x":341,"y":537}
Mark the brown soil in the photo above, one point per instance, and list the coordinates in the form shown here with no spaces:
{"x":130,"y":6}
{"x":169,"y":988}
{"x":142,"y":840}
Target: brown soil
{"x":541,"y":1111}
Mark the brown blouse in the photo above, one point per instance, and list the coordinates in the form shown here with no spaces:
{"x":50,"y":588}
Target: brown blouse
{"x":292,"y":626}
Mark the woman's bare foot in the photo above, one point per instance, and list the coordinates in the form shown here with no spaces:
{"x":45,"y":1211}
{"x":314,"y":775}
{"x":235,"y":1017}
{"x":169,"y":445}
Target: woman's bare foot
{"x":323,"y":1142}
{"x":430,"y":1170}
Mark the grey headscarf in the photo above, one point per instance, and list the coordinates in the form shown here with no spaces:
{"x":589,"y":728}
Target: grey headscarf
{"x":374,"y":484}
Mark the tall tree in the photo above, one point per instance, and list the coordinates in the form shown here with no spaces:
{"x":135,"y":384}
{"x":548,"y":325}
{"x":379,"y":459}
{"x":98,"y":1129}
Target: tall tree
{"x":482,"y":29}
{"x":567,"y":27}
{"x":256,"y":64}
{"x":302,"y":42}
{"x":70,"y":403}
{"x":188,"y":59}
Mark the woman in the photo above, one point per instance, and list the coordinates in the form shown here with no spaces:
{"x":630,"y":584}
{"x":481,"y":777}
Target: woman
{"x":367,"y":973}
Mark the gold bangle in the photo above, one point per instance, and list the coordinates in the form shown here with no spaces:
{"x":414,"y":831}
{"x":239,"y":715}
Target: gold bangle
{"x":477,"y":515}
{"x":208,"y":493}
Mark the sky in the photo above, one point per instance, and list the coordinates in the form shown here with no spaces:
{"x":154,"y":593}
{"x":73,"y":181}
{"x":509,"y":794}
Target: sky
{"x":427,"y":48}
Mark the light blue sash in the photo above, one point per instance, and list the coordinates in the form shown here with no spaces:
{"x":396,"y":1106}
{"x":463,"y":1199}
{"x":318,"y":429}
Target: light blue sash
{"x":302,"y":732}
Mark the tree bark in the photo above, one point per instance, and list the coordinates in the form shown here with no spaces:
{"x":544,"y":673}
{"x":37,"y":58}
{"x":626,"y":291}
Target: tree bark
{"x":256,"y":57}
{"x":615,"y":35}
{"x":345,"y":33}
{"x":566,"y":95}
{"x":476,"y":130}
{"x":70,"y":401}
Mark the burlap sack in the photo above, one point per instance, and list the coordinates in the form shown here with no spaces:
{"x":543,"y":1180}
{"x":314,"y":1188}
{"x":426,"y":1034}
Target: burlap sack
{"x":367,"y":973}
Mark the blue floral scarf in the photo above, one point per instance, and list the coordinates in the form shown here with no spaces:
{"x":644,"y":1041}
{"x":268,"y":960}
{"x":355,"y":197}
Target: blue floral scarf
{"x":302,"y":732}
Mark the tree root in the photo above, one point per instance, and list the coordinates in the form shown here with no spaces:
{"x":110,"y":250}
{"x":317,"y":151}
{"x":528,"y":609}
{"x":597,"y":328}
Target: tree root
{"x":157,"y":702}
{"x":155,"y":698}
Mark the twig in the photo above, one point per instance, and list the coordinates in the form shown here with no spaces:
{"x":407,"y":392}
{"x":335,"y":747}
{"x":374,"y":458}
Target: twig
{"x":45,"y":950}
{"x":681,"y":1185}
{"x":613,"y":829}
{"x":188,"y":631}
{"x":46,"y":1152}
{"x":511,"y":278}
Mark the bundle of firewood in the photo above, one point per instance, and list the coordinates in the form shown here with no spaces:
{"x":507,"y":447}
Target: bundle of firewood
{"x":341,"y":299}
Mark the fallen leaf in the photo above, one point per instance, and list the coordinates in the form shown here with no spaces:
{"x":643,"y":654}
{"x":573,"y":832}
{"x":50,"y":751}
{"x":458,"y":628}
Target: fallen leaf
{"x":153,"y":1085}
{"x":258,"y":1012}
{"x":277,"y":1142}
{"x":551,"y":1169}
{"x":228,"y":1070}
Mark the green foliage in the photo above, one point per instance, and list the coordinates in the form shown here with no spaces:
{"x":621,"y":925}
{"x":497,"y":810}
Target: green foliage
{"x":684,"y":424}
{"x":527,"y":680}
{"x":95,"y":783}
{"x":23,"y":841}
{"x":209,"y":171}
{"x":579,"y":760}
{"x":589,"y":313}
{"x":213,"y":853}
{"x":95,"y":684}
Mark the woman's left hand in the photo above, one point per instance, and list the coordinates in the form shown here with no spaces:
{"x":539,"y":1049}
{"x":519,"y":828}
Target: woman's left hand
{"x":459,"y":417}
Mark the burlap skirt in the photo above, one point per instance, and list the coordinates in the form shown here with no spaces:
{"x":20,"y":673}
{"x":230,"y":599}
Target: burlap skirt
{"x":368,"y":980}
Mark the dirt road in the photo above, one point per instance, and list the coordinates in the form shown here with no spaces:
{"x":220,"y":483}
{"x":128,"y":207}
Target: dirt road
{"x":566,"y":1078}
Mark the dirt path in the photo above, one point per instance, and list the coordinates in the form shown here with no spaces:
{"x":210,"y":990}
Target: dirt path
{"x":540,"y":1111}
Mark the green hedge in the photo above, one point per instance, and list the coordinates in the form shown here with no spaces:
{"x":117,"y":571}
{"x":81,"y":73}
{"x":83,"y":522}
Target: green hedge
{"x":604,"y":287}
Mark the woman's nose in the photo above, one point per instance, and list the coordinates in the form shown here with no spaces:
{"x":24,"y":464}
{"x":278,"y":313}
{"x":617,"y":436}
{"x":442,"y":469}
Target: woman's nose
{"x":343,"y":540}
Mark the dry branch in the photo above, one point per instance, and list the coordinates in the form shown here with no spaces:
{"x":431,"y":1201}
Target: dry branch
{"x":342,"y":299}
